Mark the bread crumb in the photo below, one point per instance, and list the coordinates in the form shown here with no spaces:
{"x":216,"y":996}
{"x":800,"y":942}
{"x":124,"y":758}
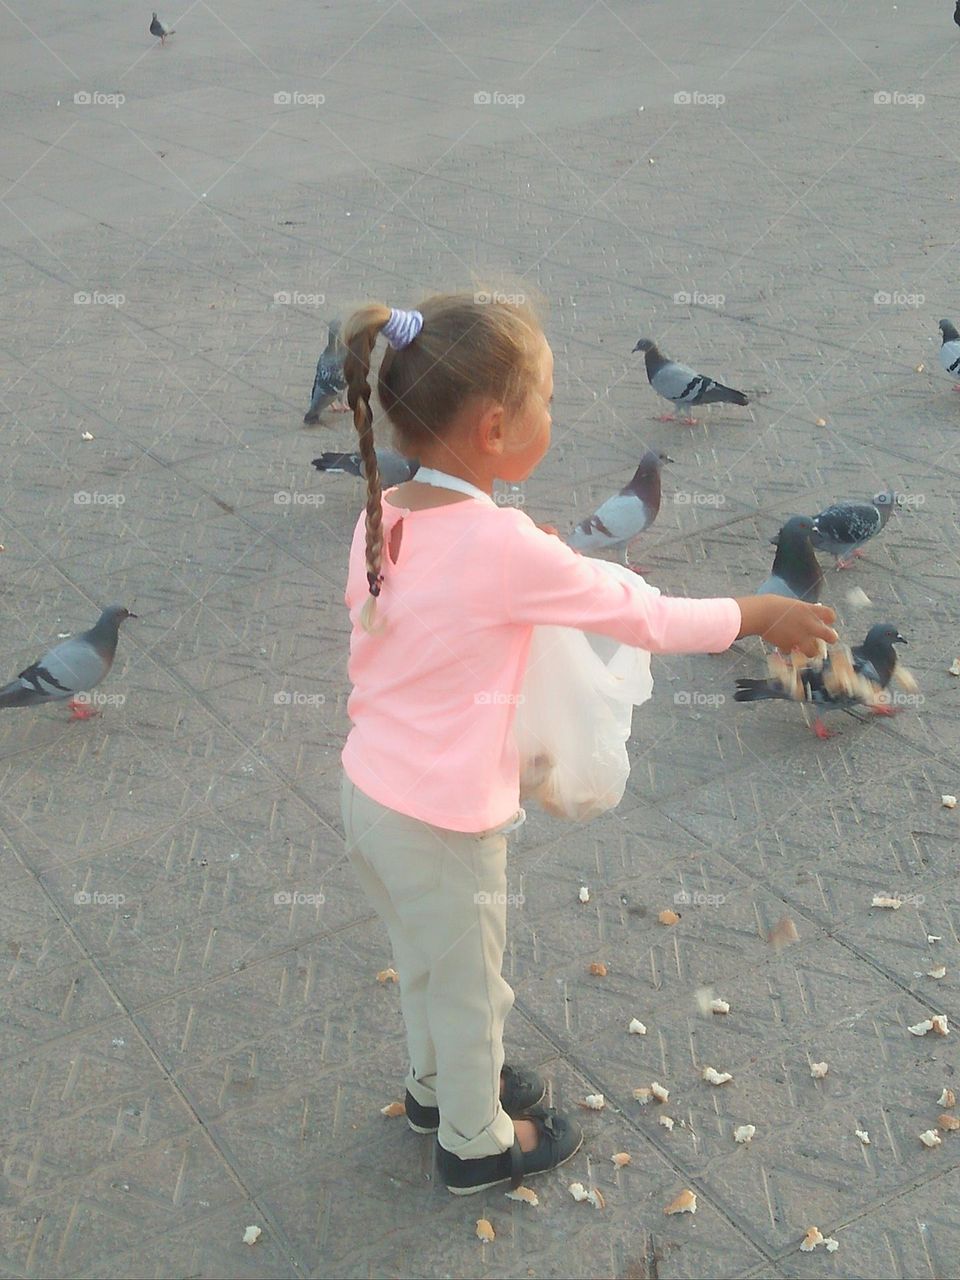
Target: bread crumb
{"x":934,"y":937}
{"x":620,"y":1159}
{"x":594,"y":1195}
{"x":858,"y":598}
{"x":668,"y":917}
{"x":947,"y":1099}
{"x":659,"y":1092}
{"x":783,"y":933}
{"x":393,"y":1109}
{"x":388,"y":975}
{"x":939,"y":1022}
{"x":947,"y":1122}
{"x":584,"y":894}
{"x":251,"y":1235}
{"x":954,"y":667}
{"x":921,"y":1028}
{"x":891,"y":904}
{"x":744,"y":1132}
{"x":713,"y":1076}
{"x":930,"y":1138}
{"x":831,"y":1245}
{"x":719,"y":1006}
{"x":666,"y":1122}
{"x":598,"y":969}
{"x":524,"y":1195}
{"x":686,"y":1202}
{"x":821,"y":422}
{"x":636,"y":1027}
{"x":818,"y":1070}
{"x":863,"y":1136}
{"x":485,"y":1230}
{"x":595,"y":1101}
{"x":940,"y":972}
{"x":810,"y":1241}
{"x":948,"y":802}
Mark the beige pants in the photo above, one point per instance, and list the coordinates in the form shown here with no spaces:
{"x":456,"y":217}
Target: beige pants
{"x":442,"y":895}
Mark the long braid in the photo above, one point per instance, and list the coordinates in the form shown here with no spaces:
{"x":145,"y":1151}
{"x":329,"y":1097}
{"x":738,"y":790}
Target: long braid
{"x":360,"y":340}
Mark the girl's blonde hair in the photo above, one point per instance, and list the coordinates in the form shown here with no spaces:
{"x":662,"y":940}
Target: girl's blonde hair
{"x":470,"y":345}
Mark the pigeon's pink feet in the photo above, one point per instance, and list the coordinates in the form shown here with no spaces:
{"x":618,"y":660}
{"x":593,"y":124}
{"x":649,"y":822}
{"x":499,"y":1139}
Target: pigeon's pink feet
{"x":883,"y":710}
{"x":81,"y":710}
{"x":821,"y":730}
{"x":337,"y":407}
{"x":844,"y":564}
{"x":666,"y":417}
{"x":956,"y":386}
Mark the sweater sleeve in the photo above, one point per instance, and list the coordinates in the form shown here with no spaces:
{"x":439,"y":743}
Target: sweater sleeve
{"x":546,"y":583}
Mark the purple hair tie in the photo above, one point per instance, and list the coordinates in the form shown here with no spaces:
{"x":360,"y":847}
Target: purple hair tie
{"x":402,"y":327}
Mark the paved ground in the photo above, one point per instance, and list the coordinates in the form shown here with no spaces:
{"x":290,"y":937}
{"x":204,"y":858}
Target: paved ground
{"x":195,"y":1058}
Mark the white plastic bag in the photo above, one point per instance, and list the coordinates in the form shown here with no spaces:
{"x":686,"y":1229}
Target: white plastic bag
{"x":575,"y":716}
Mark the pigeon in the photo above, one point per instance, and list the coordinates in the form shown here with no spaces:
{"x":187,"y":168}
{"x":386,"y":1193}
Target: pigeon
{"x":615,"y":524}
{"x":329,"y":381}
{"x":845,"y":679}
{"x":956,"y":14}
{"x":72,"y":667}
{"x":394,"y":468}
{"x":950,"y":348}
{"x":160,"y":29}
{"x":843,"y":528}
{"x":796,"y":570}
{"x":681,"y":385}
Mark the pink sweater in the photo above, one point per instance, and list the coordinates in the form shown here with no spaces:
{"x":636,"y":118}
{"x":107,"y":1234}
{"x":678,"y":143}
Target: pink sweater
{"x":434,"y":693}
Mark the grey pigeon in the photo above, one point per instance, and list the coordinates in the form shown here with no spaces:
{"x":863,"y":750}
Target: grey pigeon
{"x":615,"y":524}
{"x":329,"y":381}
{"x":956,"y":14}
{"x":796,"y":570}
{"x":160,"y":29}
{"x":843,"y":528}
{"x":950,"y":347}
{"x":72,"y":667}
{"x":394,"y":468}
{"x":824,"y":686}
{"x":682,"y":386}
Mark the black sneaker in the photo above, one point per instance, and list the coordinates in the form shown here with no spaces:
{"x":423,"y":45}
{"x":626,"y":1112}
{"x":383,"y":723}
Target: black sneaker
{"x":560,"y":1138}
{"x":522,"y":1090}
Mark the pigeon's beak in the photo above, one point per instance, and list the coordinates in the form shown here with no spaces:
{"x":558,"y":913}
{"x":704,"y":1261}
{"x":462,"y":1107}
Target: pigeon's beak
{"x":899,"y":639}
{"x":667,"y":458}
{"x":133,"y":615}
{"x":775,"y":542}
{"x":635,"y":349}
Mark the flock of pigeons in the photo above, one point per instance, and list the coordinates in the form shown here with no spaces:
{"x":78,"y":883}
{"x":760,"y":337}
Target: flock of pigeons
{"x":843,"y":678}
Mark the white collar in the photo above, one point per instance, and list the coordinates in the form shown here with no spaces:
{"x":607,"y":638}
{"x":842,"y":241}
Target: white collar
{"x":441,"y":480}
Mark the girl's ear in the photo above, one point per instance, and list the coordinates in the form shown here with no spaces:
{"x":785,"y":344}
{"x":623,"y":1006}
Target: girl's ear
{"x":490,"y":430}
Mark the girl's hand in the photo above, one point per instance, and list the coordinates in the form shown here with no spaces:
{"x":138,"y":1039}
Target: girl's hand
{"x":787,"y":624}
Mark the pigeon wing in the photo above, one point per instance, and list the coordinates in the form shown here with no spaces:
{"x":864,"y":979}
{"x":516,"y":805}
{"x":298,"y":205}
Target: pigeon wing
{"x":950,"y":356}
{"x":678,"y":382}
{"x":849,"y":523}
{"x":68,"y":669}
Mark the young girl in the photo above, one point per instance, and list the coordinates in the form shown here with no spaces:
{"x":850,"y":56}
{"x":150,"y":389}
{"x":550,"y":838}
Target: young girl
{"x":444,"y":588}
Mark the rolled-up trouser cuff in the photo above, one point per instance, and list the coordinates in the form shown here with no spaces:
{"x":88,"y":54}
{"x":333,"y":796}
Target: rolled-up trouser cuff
{"x":496,"y":1138}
